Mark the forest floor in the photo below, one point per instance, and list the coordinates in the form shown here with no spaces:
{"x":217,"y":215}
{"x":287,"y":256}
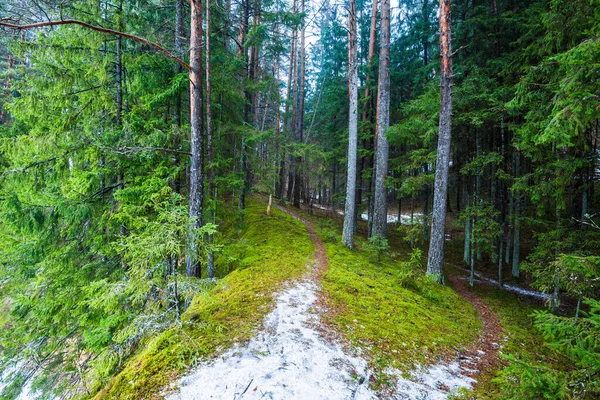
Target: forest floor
{"x":297,"y":355}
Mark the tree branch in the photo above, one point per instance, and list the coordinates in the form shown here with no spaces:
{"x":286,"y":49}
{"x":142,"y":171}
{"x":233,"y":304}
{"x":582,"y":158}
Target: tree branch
{"x":130,"y":149}
{"x":99,"y":29}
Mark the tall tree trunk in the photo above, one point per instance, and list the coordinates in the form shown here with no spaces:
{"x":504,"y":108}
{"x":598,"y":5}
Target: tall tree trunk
{"x":478,"y":197}
{"x":298,"y":175}
{"x":192,"y":267}
{"x":366,"y":115}
{"x":284,"y":167}
{"x":426,"y":209}
{"x":210,"y":262}
{"x":349,"y":214}
{"x":435,"y":259}
{"x":467,"y":245}
{"x":517,"y":217}
{"x":383,"y":121}
{"x":371,"y":56}
{"x":244,"y":28}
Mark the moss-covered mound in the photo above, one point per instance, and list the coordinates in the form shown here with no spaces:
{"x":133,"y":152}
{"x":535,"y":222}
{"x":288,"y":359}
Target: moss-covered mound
{"x":269,"y":252}
{"x":382,"y":302}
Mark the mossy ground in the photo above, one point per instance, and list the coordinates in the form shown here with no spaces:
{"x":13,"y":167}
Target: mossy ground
{"x":388,"y":307}
{"x":266,"y":254}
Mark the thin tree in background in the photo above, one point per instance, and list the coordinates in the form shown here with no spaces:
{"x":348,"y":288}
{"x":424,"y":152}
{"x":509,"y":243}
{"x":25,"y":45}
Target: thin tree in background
{"x":383,"y":122}
{"x":435,"y":258}
{"x":349,"y":220}
{"x":366,"y":116}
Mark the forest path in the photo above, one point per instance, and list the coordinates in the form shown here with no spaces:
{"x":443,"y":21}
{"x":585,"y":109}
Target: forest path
{"x":482,"y":356}
{"x":289,"y":358}
{"x":294,"y":356}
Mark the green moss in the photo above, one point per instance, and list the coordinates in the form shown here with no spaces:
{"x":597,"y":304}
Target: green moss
{"x":390,"y":309}
{"x":270,"y":251}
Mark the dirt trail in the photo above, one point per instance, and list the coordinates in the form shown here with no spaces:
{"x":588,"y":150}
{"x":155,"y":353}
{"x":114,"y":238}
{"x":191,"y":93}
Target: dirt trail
{"x":480,"y":357}
{"x":320,"y":253}
{"x":483,"y":356}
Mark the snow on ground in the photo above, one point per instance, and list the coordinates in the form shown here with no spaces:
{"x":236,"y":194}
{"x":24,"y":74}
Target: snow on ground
{"x":434,"y":383}
{"x":515,"y":289}
{"x":289,"y":359}
{"x":405,"y":219}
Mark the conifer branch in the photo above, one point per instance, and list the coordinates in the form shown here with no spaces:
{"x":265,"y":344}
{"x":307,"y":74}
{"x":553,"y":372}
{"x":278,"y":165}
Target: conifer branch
{"x":99,"y":29}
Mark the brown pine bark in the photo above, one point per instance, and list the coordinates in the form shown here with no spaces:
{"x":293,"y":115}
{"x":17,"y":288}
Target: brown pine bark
{"x":197,"y":158}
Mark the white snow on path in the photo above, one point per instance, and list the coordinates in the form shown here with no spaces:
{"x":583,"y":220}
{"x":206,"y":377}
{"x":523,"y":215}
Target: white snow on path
{"x":436,"y":382}
{"x":288,"y":359}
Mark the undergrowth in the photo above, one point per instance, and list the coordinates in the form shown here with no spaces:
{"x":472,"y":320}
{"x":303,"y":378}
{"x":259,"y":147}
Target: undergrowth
{"x":384,"y":304}
{"x":267,"y":253}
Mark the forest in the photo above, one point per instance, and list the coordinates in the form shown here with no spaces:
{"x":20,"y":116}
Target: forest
{"x":299,"y":199}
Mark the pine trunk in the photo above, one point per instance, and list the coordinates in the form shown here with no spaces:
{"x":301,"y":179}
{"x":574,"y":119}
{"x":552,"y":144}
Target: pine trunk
{"x":197,"y":156}
{"x":349,"y":213}
{"x":436,"y":246}
{"x":210,"y":263}
{"x":517,"y":216}
{"x":383,"y":121}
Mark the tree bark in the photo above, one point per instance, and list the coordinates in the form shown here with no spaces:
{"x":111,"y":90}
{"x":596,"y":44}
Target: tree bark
{"x":383,"y":121}
{"x":210,"y":264}
{"x":517,"y":217}
{"x":7,"y":85}
{"x":197,"y":158}
{"x":349,"y":213}
{"x":371,"y":56}
{"x":299,"y":122}
{"x":435,"y":259}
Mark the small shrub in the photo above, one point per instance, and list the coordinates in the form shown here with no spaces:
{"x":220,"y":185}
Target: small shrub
{"x":377,"y":246}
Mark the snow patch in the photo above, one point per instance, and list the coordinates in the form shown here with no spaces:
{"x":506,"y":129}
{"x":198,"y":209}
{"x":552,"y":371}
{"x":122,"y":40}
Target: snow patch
{"x":515,"y":289}
{"x":287,"y":359}
{"x":436,"y":382}
{"x":405,"y":219}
